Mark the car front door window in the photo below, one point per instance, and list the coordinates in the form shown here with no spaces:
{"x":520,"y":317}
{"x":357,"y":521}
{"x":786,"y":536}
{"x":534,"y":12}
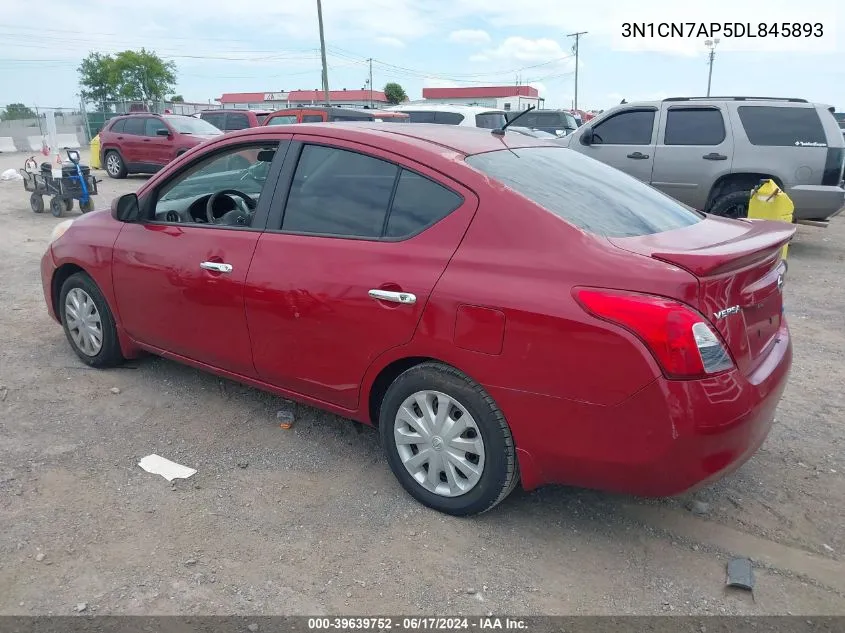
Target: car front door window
{"x":627,"y":128}
{"x":221,"y":190}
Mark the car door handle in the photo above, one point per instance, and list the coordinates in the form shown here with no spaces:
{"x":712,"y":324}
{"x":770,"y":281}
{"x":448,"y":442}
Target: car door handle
{"x":714,"y":156}
{"x":638,"y":156}
{"x":217,"y":267}
{"x":394,"y":297}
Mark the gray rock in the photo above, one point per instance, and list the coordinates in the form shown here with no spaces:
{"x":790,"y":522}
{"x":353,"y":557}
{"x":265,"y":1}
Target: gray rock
{"x":252,"y":627}
{"x":40,"y":556}
{"x":81,"y":606}
{"x":115,"y":390}
{"x":696,"y":506}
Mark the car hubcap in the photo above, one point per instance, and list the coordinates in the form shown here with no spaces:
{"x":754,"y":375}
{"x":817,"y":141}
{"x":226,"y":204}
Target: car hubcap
{"x":439,"y":443}
{"x":113,"y":164}
{"x":83,"y":322}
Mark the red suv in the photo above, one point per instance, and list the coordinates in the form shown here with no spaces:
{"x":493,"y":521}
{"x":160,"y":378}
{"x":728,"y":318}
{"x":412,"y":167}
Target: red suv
{"x":144,"y":143}
{"x":228,"y":120}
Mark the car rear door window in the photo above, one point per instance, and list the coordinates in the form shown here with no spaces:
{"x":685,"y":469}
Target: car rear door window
{"x":694,"y":126}
{"x":490,"y":120}
{"x":236,"y":121}
{"x":448,"y":118}
{"x":633,"y":127}
{"x":135,"y":125}
{"x":782,"y":126}
{"x":282,"y":119}
{"x":421,"y":116}
{"x":584,"y":192}
{"x":117,"y":126}
{"x":312,"y":118}
{"x":152,"y":126}
{"x":339,"y":192}
{"x":417,"y":204}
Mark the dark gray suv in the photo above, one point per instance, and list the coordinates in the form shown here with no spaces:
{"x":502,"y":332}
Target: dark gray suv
{"x":710,"y":152}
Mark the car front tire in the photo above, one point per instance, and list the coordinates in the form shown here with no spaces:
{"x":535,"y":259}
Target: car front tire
{"x":446,"y":441}
{"x":88,"y":322}
{"x":115,"y":167}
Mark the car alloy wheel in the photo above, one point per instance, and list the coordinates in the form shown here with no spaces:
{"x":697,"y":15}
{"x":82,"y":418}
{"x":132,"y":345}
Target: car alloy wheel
{"x":439,"y":443}
{"x":113,"y":165}
{"x":83,"y":322}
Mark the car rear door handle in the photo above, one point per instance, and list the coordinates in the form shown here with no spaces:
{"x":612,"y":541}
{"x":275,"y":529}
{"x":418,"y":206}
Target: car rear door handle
{"x":638,"y":156}
{"x":217,"y":267}
{"x":394,"y":297}
{"x":714,"y":156}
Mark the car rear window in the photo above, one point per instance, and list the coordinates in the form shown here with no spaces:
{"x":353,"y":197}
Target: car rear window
{"x":490,"y":120}
{"x":586,"y":193}
{"x":782,"y":126}
{"x":237,"y":121}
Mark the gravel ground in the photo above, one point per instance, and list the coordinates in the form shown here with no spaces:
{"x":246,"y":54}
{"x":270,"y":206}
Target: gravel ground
{"x":311,"y":521}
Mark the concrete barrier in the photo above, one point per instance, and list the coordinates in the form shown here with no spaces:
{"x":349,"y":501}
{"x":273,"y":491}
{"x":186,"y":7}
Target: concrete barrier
{"x":7,"y":144}
{"x":67,"y":141}
{"x":34,"y":143}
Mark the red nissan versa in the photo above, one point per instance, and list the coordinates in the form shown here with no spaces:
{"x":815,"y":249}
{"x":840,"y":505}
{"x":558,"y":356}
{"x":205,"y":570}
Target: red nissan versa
{"x":144,"y":143}
{"x":503,"y":308}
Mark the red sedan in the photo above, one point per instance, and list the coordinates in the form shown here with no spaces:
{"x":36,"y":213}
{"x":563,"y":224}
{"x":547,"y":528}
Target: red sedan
{"x":503,"y":308}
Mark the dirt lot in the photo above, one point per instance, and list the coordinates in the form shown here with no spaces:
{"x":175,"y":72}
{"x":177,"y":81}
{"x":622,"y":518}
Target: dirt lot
{"x":311,"y":521}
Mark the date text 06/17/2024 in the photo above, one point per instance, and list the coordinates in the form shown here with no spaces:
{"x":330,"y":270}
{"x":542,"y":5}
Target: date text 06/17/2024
{"x":790,"y":30}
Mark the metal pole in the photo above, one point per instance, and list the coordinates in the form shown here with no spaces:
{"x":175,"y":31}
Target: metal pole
{"x":710,"y":72}
{"x":577,"y":37}
{"x":323,"y":52}
{"x":371,"y":81}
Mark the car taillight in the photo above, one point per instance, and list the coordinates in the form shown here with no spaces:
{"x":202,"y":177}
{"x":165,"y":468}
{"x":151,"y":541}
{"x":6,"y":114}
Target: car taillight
{"x":679,"y":337}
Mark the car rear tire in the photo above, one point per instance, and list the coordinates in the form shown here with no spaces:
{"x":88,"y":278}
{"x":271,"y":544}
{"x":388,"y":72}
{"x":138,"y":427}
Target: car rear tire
{"x":114,"y":164}
{"x":435,"y":417}
{"x":731,"y":205}
{"x":88,"y":322}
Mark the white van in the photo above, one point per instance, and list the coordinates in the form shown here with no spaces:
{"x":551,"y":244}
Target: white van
{"x":449,"y":114}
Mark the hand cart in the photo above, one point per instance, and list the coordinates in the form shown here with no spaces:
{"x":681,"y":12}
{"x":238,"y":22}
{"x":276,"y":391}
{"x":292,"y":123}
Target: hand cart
{"x":75,"y":183}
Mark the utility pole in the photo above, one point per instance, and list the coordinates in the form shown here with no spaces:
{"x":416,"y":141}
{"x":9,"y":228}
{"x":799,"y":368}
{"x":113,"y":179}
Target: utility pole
{"x":323,"y":52}
{"x":577,"y":37}
{"x":371,"y":81}
{"x":711,"y":44}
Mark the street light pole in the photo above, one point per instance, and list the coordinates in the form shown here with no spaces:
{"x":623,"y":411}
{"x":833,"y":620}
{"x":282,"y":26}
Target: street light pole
{"x":371,"y":81}
{"x":711,"y":44}
{"x":577,"y":37}
{"x":323,"y":52}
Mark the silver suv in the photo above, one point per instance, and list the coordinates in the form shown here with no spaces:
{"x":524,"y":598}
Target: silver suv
{"x":710,"y":152}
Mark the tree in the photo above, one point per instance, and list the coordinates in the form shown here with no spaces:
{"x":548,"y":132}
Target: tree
{"x":177,"y":99}
{"x":97,"y":78}
{"x":15,"y":111}
{"x":394,"y":93}
{"x":143,"y":75}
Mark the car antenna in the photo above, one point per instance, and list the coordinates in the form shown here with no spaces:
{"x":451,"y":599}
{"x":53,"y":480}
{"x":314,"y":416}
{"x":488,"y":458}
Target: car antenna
{"x":501,"y":131}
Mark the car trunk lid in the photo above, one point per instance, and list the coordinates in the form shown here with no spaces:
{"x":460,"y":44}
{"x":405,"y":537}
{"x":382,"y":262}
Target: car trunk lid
{"x":740,"y":276}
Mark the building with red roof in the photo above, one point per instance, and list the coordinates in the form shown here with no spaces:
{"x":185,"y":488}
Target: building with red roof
{"x":500,"y":97}
{"x":298,"y":98}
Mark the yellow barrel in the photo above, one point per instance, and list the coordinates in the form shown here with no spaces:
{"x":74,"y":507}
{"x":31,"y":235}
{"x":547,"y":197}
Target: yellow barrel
{"x":95,"y":153}
{"x":770,"y":202}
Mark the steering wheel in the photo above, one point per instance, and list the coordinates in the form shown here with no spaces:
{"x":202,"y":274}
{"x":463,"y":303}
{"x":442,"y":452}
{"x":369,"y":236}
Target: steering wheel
{"x":209,"y":207}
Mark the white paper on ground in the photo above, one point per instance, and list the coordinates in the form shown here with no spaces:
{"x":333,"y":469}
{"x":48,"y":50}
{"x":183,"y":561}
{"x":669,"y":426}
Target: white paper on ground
{"x":164,"y":467}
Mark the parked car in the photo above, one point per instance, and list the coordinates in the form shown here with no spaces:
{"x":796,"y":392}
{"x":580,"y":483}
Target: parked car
{"x":228,"y":120}
{"x":709,"y":153}
{"x":144,"y":143}
{"x":468,"y":116}
{"x":555,"y":122}
{"x":502,"y":308}
{"x":322,"y":114}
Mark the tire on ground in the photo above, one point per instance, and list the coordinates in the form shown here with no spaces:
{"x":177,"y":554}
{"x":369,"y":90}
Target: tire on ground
{"x":731,"y":205}
{"x":500,"y":472}
{"x":118,"y":167}
{"x":109,"y":354}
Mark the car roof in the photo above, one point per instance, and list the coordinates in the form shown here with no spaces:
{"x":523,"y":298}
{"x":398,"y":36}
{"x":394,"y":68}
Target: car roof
{"x":445,"y":107}
{"x":426,"y":136}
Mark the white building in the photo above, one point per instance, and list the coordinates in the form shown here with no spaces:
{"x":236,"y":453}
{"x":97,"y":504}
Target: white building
{"x":499,"y":97}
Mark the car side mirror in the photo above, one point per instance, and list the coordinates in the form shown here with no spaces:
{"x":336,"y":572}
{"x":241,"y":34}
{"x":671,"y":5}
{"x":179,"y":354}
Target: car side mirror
{"x":126,"y":208}
{"x":587,"y":136}
{"x":163,"y":132}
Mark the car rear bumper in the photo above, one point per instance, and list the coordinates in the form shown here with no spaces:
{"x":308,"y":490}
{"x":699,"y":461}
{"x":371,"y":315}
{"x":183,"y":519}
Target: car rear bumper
{"x":816,"y":202}
{"x":48,"y":268}
{"x":670,"y":437}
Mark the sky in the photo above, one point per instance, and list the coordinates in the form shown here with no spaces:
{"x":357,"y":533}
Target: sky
{"x":273,"y":45}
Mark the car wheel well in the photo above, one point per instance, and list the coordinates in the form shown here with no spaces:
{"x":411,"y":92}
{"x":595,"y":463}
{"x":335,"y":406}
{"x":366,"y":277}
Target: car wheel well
{"x":385,"y":378}
{"x":730,"y":183}
{"x":59,"y":277}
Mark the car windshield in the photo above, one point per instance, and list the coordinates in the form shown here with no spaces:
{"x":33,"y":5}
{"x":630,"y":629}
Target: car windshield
{"x":191,"y":125}
{"x":586,"y":193}
{"x":490,"y":120}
